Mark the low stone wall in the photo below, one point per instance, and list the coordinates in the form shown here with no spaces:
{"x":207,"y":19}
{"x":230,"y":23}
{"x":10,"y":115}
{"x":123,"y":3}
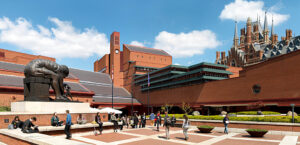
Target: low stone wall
{"x":44,"y":119}
{"x":10,"y":140}
{"x":293,"y":127}
{"x":276,"y":126}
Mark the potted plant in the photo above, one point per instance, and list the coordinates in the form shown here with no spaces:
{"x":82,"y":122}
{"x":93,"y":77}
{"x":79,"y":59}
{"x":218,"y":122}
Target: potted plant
{"x":257,"y":132}
{"x":205,"y":128}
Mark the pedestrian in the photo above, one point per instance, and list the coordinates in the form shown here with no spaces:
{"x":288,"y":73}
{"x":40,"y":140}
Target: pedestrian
{"x":158,"y":120}
{"x":68,"y":125}
{"x":185,"y":127}
{"x":114,"y":121}
{"x":81,"y":119}
{"x":140,"y":121}
{"x":29,"y":127}
{"x":127,"y":121}
{"x":167,"y":124}
{"x":135,"y":120}
{"x":226,"y":122}
{"x":143,"y":118}
{"x":173,"y":120}
{"x":99,"y":122}
{"x":152,"y":116}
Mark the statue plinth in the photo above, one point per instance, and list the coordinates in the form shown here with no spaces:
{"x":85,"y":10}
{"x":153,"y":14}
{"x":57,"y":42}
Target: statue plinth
{"x":49,"y":107}
{"x":36,"y":88}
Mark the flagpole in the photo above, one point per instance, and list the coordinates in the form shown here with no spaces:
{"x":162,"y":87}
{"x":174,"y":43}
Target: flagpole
{"x":112,"y":87}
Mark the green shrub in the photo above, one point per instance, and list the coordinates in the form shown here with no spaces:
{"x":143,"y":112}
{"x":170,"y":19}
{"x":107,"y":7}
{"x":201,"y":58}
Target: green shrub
{"x":255,"y":113}
{"x":205,"y":126}
{"x":257,"y":130}
{"x":4,"y":108}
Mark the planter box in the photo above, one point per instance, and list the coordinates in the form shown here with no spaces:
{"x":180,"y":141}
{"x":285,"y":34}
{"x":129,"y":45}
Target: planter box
{"x":257,"y":133}
{"x":205,"y":130}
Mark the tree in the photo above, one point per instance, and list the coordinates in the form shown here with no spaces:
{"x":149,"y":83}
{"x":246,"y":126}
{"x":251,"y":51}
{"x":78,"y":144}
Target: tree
{"x":186,"y":108}
{"x":167,"y":107}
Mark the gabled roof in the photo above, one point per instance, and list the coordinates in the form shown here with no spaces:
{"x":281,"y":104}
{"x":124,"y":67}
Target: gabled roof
{"x":146,"y":50}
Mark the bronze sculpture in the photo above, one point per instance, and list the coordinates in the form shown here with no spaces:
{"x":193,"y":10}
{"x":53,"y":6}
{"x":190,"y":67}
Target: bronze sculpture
{"x":41,"y":73}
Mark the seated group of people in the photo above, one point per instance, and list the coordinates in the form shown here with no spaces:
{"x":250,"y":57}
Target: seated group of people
{"x":27,"y":126}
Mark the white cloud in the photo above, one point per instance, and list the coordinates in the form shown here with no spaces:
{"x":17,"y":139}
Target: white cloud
{"x":186,"y":44}
{"x":137,"y":43}
{"x":62,"y":40}
{"x":240,"y":10}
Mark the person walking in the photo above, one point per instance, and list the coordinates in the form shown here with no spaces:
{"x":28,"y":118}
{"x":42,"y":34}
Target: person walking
{"x":114,"y":121}
{"x":152,"y":116}
{"x":158,"y":120}
{"x":173,"y":120}
{"x":185,"y":127}
{"x":140,"y":121}
{"x":99,"y":122}
{"x":143,"y":118}
{"x":167,"y":123}
{"x":127,"y":120}
{"x":135,"y":120}
{"x":68,"y":125}
{"x":226,"y":122}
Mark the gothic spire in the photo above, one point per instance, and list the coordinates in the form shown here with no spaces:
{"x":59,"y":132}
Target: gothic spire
{"x":266,"y":23}
{"x":272,"y":30}
{"x":236,"y":31}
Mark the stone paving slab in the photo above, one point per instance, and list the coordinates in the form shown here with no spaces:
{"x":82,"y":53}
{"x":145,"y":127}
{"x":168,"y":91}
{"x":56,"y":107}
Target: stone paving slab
{"x":110,"y":137}
{"x":192,"y":138}
{"x":265,"y":137}
{"x":152,"y":142}
{"x":243,"y":142}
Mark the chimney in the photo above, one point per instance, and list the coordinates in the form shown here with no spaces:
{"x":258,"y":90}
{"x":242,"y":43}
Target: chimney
{"x":217,"y":55}
{"x":223,"y":55}
{"x":248,"y":33}
{"x":288,"y":34}
{"x":282,"y":38}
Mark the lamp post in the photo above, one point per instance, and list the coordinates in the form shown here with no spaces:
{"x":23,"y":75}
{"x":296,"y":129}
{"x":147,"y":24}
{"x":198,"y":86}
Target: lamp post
{"x":293,"y":109}
{"x":112,"y":87}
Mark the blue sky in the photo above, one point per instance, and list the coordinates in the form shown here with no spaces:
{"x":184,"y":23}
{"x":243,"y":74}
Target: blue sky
{"x":192,"y":31}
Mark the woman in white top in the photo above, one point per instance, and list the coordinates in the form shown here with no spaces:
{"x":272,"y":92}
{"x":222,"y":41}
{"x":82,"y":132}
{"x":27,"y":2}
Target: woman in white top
{"x":185,"y":126}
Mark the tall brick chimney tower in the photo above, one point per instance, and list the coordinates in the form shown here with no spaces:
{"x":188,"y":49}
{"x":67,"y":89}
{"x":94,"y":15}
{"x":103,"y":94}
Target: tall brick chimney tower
{"x":217,"y":56}
{"x":115,"y":56}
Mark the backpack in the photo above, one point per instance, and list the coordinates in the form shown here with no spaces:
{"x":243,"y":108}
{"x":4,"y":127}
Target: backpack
{"x":168,"y":121}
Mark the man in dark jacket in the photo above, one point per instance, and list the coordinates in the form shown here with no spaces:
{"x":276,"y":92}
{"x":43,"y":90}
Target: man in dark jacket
{"x":158,"y":120}
{"x":143,"y":118}
{"x":226,"y":122}
{"x":135,"y":120}
{"x":29,"y":127}
{"x":173,"y":121}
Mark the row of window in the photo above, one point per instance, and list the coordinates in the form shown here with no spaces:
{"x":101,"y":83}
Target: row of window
{"x":161,"y":59}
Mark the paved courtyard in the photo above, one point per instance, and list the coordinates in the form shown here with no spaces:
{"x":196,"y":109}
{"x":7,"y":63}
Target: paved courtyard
{"x":149,"y":136}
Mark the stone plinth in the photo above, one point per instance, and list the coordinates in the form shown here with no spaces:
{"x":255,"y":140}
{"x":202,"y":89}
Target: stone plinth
{"x":49,"y":107}
{"x":36,"y":89}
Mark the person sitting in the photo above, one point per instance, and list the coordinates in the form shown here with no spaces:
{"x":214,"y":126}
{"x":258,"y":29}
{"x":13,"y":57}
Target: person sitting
{"x":29,"y":127}
{"x":81,"y":119}
{"x":99,"y":121}
{"x":16,"y":123}
{"x":55,"y":120}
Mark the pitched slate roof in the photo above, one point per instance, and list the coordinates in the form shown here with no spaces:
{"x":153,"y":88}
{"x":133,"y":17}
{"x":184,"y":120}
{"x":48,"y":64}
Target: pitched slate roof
{"x":146,"y":50}
{"x":280,"y":48}
{"x":89,"y":76}
{"x":116,"y":99}
{"x":11,"y":66}
{"x":100,"y":90}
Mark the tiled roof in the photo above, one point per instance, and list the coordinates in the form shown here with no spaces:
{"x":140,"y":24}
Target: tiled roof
{"x":11,"y":81}
{"x":11,"y":66}
{"x":146,"y":50}
{"x":106,"y":90}
{"x":89,"y":76}
{"x":280,"y":48}
{"x":116,"y":99}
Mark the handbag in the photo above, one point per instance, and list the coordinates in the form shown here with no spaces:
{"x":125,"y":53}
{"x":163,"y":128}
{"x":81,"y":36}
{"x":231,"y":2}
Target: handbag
{"x":227,"y":122}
